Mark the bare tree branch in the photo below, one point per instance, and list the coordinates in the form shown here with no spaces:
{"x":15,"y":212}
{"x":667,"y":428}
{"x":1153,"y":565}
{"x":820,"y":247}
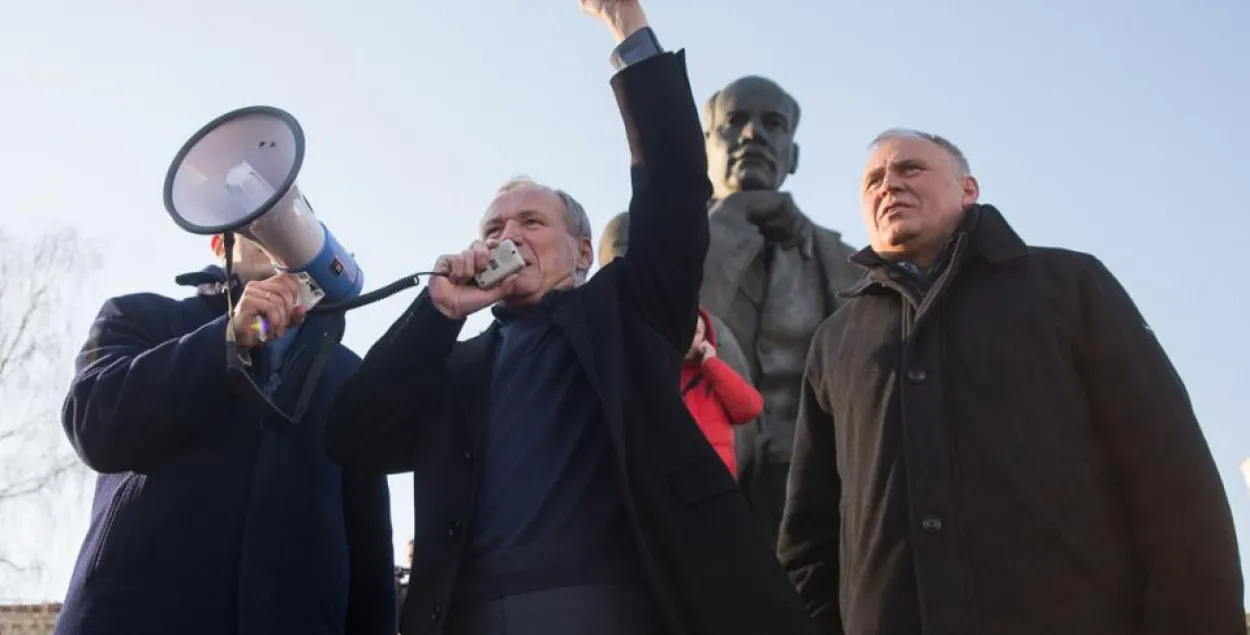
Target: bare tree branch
{"x":39,"y":281}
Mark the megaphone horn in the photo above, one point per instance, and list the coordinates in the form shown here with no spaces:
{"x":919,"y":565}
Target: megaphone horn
{"x":238,"y":174}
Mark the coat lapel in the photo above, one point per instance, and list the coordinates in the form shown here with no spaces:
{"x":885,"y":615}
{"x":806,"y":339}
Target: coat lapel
{"x":733,"y":243}
{"x":471,"y":364}
{"x":595,"y":355}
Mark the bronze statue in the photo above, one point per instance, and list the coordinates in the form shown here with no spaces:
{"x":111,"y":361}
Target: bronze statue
{"x":615,"y":242}
{"x":771,"y":273}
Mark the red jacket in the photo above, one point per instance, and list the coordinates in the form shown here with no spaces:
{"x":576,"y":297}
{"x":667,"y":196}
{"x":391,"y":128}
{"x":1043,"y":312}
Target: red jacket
{"x":718,"y":398}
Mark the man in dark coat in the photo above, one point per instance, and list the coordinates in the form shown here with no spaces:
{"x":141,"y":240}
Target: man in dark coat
{"x":208,"y":518}
{"x":992,"y":441}
{"x":561,"y":486}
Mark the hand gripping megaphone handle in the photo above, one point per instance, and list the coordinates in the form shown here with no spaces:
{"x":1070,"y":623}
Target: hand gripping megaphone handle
{"x":309,"y":296}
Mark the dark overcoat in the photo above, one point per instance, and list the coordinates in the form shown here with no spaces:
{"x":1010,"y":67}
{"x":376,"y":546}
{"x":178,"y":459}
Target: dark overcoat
{"x":1009,"y":453}
{"x":208,"y":519}
{"x":420,"y":400}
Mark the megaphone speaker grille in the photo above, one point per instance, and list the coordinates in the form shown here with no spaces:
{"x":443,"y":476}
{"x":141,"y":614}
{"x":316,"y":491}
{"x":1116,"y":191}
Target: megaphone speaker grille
{"x":234,"y":169}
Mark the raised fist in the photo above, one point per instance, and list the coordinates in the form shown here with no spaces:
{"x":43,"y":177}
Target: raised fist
{"x":604,"y":8}
{"x":622,"y":17}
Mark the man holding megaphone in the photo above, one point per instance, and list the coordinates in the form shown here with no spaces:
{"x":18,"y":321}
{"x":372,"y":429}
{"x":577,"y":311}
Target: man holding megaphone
{"x":561,"y":486}
{"x":209,"y":517}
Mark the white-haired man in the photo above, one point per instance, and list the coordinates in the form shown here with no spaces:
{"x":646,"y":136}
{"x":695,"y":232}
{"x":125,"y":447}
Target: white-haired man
{"x":992,"y":441}
{"x":561,"y":486}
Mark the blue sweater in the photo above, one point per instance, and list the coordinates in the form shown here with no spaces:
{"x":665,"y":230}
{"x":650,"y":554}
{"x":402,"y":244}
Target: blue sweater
{"x":207,"y":519}
{"x":550,"y":511}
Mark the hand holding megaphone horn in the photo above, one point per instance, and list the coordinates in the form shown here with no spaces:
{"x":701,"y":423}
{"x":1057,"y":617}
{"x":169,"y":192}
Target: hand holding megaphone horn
{"x":266,"y":309}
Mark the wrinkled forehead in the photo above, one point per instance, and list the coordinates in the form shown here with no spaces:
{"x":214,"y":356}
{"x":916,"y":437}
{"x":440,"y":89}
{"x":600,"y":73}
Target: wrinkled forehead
{"x":523,"y":202}
{"x":898,"y":150}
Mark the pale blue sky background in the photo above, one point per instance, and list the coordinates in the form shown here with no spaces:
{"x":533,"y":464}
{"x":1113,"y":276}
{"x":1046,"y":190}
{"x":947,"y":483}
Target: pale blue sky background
{"x":1110,"y":126}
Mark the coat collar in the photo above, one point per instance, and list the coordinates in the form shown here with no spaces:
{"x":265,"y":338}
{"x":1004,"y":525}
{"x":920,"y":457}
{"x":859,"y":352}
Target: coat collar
{"x":209,"y":281}
{"x":984,"y":232}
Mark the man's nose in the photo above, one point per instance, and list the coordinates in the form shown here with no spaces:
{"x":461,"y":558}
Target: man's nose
{"x":891,"y":182}
{"x":511,"y":231}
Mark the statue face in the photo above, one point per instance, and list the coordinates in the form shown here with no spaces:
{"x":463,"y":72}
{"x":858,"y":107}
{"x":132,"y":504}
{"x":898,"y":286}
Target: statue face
{"x":750,"y":138}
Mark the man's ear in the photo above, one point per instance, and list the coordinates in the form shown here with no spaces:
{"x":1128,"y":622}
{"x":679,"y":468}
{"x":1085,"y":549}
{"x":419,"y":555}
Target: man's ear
{"x":794,"y":158}
{"x":218,"y":245}
{"x":972,"y":191}
{"x":585,"y":254}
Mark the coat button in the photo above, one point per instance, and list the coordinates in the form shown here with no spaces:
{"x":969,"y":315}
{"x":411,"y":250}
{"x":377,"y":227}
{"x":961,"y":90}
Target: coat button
{"x":931,"y":524}
{"x":468,"y":456}
{"x":916,"y":375}
{"x":435,"y":612}
{"x":453,"y":529}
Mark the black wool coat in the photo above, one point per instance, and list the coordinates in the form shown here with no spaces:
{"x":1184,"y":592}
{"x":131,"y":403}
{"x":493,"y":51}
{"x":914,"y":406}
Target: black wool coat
{"x":1010,"y":454}
{"x":420,"y":400}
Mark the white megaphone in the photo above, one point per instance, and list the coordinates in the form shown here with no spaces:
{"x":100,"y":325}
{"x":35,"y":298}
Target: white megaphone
{"x":237,"y":174}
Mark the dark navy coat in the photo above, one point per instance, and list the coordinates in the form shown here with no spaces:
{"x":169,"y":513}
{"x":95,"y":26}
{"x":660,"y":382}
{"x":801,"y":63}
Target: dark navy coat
{"x":208,"y":518}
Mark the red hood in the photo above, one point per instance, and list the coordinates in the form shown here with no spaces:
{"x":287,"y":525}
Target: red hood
{"x":708,"y":332}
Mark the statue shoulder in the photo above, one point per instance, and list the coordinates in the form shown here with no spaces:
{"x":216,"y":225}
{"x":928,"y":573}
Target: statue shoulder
{"x":829,"y":242}
{"x":835,"y":257}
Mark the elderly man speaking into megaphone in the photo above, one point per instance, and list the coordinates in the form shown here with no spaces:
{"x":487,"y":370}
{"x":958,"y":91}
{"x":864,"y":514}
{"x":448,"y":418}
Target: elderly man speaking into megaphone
{"x":208,"y":520}
{"x":561,"y":485}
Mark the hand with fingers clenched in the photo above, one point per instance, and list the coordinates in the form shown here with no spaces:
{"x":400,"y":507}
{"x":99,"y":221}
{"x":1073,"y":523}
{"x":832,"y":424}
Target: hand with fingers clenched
{"x":622,"y":17}
{"x":276,"y":301}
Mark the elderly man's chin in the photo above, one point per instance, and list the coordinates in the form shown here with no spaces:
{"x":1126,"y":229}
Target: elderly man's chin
{"x":896,"y":235}
{"x":527,"y":283}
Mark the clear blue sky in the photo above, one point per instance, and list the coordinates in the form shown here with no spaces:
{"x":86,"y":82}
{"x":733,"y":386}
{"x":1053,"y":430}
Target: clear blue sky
{"x":1114,"y":127}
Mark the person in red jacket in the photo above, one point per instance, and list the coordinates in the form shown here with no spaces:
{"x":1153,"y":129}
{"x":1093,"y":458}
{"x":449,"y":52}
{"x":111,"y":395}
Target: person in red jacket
{"x":718,"y":397}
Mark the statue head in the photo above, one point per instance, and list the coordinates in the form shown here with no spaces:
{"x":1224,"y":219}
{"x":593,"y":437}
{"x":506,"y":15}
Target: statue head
{"x":749,"y":132}
{"x":615,"y":239}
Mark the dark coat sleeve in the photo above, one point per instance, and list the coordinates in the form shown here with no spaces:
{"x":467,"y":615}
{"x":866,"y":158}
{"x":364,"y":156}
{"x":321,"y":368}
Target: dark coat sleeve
{"x":668,"y":232}
{"x":140,"y":389}
{"x":810,"y":535}
{"x":367,"y":514}
{"x":401,"y":382}
{"x":1177,"y":508}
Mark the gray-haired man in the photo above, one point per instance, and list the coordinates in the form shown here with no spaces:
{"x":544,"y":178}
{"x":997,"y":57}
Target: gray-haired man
{"x":561,"y":486}
{"x":991,"y":440}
